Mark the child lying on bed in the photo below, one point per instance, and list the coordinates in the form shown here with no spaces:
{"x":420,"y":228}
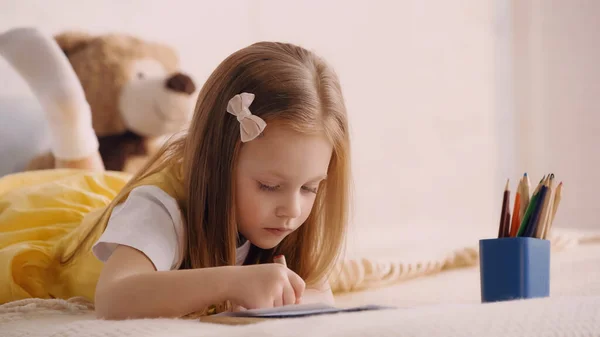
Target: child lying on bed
{"x":262,"y":170}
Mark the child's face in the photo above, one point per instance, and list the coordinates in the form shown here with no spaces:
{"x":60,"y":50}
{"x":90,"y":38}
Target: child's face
{"x":277,"y":178}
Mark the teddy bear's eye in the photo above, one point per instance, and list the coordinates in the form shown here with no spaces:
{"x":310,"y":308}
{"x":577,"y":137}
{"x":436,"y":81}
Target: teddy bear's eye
{"x":140,"y":75}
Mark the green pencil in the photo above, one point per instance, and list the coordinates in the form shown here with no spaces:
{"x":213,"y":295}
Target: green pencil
{"x":528,"y":213}
{"x":530,"y":208}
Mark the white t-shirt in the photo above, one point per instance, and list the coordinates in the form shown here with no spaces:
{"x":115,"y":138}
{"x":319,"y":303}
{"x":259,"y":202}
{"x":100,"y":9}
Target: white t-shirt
{"x":150,"y":221}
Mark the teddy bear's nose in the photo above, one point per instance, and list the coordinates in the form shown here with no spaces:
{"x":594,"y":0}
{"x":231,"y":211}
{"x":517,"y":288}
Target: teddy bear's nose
{"x":181,"y":83}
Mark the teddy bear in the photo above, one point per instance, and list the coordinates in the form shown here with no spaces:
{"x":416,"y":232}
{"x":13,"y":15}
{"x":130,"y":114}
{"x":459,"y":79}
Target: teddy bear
{"x":136,"y":92}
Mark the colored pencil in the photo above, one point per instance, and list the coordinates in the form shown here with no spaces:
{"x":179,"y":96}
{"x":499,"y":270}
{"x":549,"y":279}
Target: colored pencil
{"x":506,"y":233}
{"x":530,"y":209}
{"x":546,"y":205}
{"x":504,"y":212}
{"x":514,"y":226}
{"x":535,"y":216}
{"x":525,"y":196}
{"x":555,"y":203}
{"x":280,"y":259}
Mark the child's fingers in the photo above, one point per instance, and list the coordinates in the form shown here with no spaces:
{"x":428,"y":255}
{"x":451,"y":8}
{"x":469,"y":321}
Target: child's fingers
{"x":289,"y":295}
{"x":237,"y":308}
{"x":297,"y":283}
{"x":278,"y":302}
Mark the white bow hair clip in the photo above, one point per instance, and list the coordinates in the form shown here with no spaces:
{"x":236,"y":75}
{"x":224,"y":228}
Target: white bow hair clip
{"x":250,"y":125}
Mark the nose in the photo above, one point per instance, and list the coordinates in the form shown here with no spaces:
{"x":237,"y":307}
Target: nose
{"x":182,"y":83}
{"x":290,"y":207}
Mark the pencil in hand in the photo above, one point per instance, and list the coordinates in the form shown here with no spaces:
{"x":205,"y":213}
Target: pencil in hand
{"x":280,"y":259}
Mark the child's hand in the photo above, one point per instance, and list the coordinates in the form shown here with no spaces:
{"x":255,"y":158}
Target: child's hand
{"x":266,"y":286}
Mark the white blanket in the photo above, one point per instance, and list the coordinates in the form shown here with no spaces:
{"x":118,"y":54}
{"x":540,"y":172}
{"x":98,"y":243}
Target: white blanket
{"x":444,"y":304}
{"x":575,"y":271}
{"x":555,"y":316}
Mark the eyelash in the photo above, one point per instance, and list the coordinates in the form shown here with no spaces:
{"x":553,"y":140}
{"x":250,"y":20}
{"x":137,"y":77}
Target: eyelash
{"x":274,"y":188}
{"x":267,"y":187}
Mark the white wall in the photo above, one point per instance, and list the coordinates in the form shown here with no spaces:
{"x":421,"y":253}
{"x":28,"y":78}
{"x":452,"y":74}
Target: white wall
{"x":425,"y":83}
{"x":557,"y":74}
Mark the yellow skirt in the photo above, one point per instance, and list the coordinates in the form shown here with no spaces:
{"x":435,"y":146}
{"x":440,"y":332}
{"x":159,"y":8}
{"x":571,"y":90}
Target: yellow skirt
{"x":39,"y":212}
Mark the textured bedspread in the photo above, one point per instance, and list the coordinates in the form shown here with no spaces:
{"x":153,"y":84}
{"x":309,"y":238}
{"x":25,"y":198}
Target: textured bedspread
{"x":554,"y":316}
{"x":434,"y":297}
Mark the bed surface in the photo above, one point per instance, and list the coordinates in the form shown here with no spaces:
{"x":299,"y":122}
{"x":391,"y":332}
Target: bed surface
{"x":556,"y":316}
{"x":574,"y":272}
{"x":446,"y":303}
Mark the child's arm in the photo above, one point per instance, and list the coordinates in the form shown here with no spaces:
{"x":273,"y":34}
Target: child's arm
{"x":129,"y":287}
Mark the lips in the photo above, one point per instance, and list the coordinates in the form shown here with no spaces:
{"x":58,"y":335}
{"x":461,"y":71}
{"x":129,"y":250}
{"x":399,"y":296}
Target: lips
{"x":278,"y":231}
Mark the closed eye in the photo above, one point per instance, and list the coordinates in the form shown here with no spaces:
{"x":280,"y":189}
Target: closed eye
{"x":310,"y":189}
{"x":270,"y":188}
{"x":267,"y":187}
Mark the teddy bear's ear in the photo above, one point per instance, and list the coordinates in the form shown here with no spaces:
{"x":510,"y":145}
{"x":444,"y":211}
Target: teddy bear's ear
{"x":71,"y":42}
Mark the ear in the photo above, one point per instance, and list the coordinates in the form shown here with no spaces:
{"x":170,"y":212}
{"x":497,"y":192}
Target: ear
{"x":72,"y":41}
{"x":165,"y":54}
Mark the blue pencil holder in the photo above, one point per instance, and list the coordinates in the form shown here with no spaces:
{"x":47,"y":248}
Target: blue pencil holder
{"x":514,"y":268}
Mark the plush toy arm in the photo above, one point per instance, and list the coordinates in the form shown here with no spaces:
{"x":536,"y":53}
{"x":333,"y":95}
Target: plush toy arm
{"x":46,"y":161}
{"x":47,"y":71}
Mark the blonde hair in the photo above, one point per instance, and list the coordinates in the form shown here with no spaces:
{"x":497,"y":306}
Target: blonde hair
{"x":295,"y":88}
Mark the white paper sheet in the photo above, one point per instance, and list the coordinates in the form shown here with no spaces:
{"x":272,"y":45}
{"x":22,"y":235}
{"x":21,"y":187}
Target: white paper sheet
{"x":299,"y":310}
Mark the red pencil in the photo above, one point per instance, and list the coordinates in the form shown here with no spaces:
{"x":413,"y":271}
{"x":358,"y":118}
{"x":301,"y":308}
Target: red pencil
{"x":514,"y":226}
